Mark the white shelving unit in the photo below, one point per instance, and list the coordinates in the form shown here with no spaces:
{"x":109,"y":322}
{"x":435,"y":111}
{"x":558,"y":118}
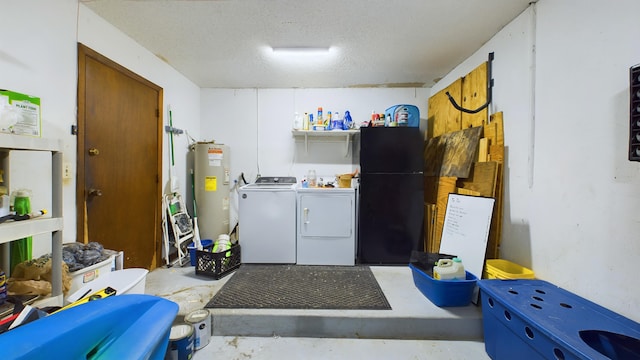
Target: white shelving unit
{"x":10,"y":231}
{"x":347,"y":134}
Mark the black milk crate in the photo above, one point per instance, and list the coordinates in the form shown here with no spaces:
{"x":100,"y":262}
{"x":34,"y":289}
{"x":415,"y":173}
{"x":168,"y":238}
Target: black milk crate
{"x":218,"y":264}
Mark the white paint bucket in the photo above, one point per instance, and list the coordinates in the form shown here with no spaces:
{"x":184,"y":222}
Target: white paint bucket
{"x":180,"y":342}
{"x":201,"y":321}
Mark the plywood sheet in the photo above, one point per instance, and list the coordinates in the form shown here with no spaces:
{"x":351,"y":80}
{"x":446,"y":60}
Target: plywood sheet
{"x":463,"y":191}
{"x":483,"y":150}
{"x":495,"y":231}
{"x":438,"y":189}
{"x":482,"y":179}
{"x":443,"y":117}
{"x":498,"y":121}
{"x":452,"y":154}
{"x":474,"y":95}
{"x":496,"y":153}
{"x":430,"y":211}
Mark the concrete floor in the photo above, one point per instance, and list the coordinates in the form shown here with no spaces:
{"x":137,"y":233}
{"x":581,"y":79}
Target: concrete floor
{"x":413,"y":329}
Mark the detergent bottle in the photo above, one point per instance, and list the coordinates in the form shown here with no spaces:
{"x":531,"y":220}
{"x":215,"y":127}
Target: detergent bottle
{"x":449,"y":269}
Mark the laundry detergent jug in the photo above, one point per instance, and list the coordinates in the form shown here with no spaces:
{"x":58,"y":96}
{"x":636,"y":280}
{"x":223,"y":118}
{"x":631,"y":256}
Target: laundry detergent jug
{"x":449,"y":269}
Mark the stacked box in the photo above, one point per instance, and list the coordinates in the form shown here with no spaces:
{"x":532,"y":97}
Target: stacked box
{"x":533,"y":319}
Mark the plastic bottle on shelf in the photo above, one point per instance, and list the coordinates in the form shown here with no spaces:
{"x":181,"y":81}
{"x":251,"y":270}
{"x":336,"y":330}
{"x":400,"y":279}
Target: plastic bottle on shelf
{"x":348,"y":122}
{"x":319,"y":125}
{"x":449,"y":269}
{"x":297,"y":121}
{"x":305,"y":122}
{"x":337,"y":122}
{"x":22,"y":202}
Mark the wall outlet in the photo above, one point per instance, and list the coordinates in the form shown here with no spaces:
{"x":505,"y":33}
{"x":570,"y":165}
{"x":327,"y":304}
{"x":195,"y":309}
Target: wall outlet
{"x":66,"y":171}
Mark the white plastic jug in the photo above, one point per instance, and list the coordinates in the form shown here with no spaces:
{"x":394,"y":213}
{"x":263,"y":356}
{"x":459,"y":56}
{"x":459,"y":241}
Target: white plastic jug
{"x":449,"y":269}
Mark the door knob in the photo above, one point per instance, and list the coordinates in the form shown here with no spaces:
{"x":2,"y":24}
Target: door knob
{"x":94,"y":151}
{"x":95,"y":192}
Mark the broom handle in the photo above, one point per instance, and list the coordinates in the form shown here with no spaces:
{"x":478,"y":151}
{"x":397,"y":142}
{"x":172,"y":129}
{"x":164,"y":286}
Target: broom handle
{"x":171,"y":136}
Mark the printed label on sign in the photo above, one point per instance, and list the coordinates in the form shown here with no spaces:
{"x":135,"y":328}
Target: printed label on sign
{"x":211,"y":183}
{"x":89,"y":276}
{"x":215,"y":156}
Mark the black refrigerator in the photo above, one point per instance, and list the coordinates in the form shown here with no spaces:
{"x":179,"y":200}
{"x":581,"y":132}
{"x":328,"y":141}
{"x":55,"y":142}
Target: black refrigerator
{"x":391,"y":195}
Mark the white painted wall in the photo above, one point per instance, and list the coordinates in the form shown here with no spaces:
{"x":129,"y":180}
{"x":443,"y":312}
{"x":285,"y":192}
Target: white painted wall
{"x":571,"y":210}
{"x":257,"y":124}
{"x":38,"y":56}
{"x":572,"y":197}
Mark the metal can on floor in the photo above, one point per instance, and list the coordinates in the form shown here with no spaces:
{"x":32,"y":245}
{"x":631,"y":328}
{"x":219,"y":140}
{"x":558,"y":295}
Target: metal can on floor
{"x":201,"y":321}
{"x":180,"y":342}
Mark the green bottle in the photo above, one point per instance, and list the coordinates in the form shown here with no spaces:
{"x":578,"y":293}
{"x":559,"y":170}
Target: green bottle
{"x":21,"y":249}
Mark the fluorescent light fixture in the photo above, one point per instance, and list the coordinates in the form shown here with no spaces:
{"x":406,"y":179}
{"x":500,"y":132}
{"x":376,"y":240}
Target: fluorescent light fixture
{"x":301,"y":50}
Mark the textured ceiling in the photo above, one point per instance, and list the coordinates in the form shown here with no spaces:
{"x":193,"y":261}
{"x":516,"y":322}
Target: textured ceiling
{"x":374,"y":43}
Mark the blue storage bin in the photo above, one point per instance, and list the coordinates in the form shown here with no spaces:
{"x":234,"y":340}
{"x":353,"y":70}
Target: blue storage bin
{"x":402,"y":115}
{"x":533,"y":319}
{"x":444,"y":293}
{"x":207,"y":244}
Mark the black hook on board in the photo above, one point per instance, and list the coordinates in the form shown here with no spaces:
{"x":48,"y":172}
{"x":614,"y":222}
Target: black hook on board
{"x":489,"y":92}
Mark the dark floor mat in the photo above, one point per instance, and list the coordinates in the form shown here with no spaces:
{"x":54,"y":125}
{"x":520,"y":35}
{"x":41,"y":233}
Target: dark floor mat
{"x":301,"y":287}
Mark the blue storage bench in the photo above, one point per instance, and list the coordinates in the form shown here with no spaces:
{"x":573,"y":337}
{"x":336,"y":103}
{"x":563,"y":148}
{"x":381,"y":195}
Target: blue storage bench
{"x":533,"y":319}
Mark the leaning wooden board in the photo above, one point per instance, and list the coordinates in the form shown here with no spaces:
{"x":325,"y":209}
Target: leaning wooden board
{"x":452,"y":154}
{"x":482,"y":179}
{"x":496,"y":154}
{"x":438,"y":189}
{"x":470,"y":92}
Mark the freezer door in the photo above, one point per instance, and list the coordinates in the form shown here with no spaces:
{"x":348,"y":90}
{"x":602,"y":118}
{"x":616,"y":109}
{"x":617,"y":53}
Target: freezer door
{"x":391,"y":150}
{"x":391,"y":218}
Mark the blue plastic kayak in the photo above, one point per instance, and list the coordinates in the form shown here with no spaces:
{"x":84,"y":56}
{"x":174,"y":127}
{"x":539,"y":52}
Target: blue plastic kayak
{"x":118,"y":327}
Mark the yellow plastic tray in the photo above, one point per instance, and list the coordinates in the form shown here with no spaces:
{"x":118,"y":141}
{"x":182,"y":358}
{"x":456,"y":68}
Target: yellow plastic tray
{"x":504,"y":269}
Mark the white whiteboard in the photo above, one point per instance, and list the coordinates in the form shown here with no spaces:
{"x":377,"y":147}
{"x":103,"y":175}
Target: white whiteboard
{"x":466,"y":230}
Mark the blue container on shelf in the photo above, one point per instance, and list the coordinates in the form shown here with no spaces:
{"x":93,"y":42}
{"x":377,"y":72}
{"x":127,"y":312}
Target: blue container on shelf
{"x":207,"y":244}
{"x":445,"y":293}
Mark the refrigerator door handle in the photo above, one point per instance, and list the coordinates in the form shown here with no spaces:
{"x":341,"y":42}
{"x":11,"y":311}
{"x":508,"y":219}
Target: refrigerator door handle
{"x":306,"y":215}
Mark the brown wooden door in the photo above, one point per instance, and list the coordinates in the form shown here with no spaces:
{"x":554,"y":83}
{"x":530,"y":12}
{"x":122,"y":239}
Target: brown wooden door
{"x":119,"y":160}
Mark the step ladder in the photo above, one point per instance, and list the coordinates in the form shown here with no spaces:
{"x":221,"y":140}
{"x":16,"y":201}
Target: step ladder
{"x":177,"y":228}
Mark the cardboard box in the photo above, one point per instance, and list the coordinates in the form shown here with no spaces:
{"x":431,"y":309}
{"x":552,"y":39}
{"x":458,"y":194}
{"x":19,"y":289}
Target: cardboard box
{"x":20,"y":114}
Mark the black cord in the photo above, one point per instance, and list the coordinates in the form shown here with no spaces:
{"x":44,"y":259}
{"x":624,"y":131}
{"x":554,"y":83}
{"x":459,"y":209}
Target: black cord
{"x":489,"y":92}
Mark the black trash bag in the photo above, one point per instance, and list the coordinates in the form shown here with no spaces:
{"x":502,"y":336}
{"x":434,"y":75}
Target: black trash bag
{"x":425,"y":261}
{"x":73,"y":247}
{"x":68,"y":257}
{"x":94,"y":246}
{"x":90,"y":257}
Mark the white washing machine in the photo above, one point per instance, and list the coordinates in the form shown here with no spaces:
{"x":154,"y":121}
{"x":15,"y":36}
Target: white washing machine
{"x":267,"y":221}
